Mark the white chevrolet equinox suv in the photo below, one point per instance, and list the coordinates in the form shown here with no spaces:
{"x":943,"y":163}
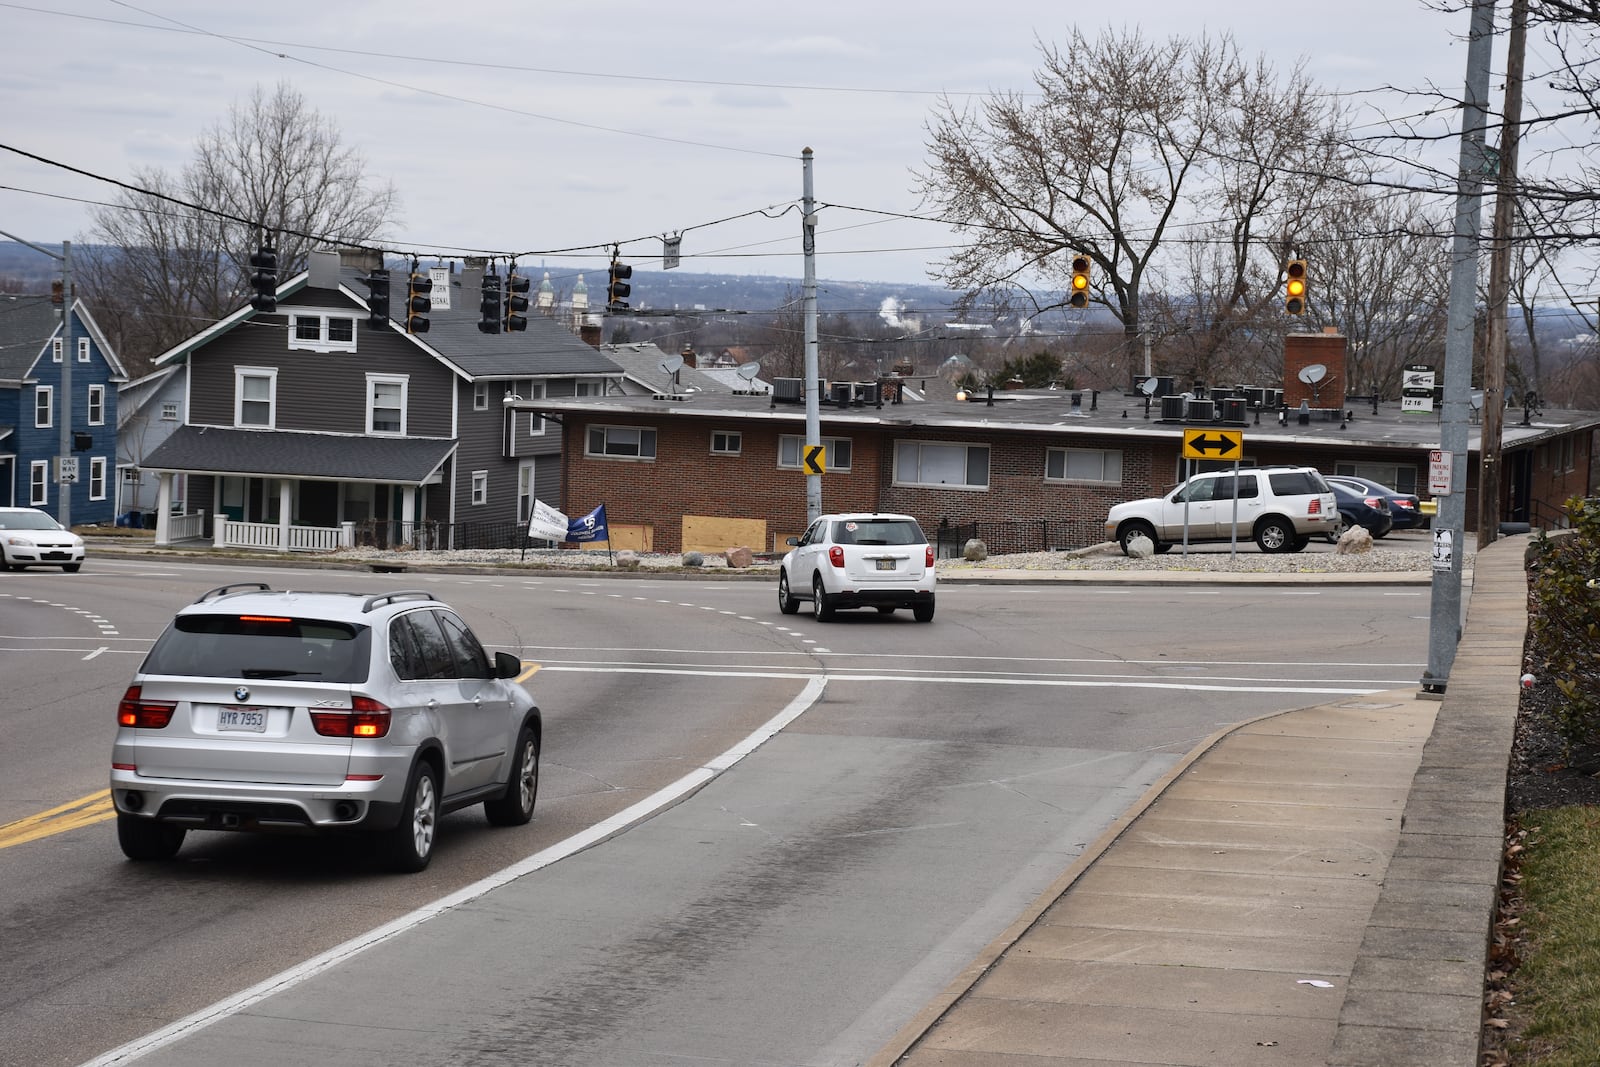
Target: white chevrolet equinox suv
{"x":305,"y":712}
{"x":859,"y":561}
{"x":1281,"y":508}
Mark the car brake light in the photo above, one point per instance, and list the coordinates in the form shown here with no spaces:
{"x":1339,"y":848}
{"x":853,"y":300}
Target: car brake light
{"x":133,"y":710}
{"x":927,"y":559}
{"x":836,"y":556}
{"x":366,"y":718}
{"x":1404,"y":503}
{"x":1372,"y":502}
{"x":1316,"y":506}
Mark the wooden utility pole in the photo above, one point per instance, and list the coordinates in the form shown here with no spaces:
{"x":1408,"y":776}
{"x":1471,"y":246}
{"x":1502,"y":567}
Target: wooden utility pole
{"x":1494,"y":348}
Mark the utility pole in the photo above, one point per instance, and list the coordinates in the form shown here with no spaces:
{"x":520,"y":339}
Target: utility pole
{"x":808,"y":292}
{"x":1494,"y":349}
{"x":64,"y":404}
{"x":1444,"y":629}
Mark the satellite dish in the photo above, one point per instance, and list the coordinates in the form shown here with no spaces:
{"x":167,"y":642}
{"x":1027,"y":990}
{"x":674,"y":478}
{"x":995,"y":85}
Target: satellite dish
{"x":1313,"y":374}
{"x":671,"y":364}
{"x":748,"y":371}
{"x":1149,"y":386}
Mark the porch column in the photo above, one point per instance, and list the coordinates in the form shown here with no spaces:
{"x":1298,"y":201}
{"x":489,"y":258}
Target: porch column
{"x":408,"y":515}
{"x":283,"y":515}
{"x":164,"y":508}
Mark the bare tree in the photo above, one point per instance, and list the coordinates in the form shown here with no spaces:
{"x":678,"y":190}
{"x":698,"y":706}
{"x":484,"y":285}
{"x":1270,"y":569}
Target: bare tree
{"x":174,"y":257}
{"x":1126,"y":143}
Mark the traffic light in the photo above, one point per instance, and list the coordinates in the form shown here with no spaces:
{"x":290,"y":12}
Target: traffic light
{"x":617,"y":288}
{"x":489,"y":304}
{"x":516,"y":300}
{"x":418,"y":302}
{"x":1294,"y":289}
{"x":377,"y":284}
{"x":1079,"y":297}
{"x":264,"y":278}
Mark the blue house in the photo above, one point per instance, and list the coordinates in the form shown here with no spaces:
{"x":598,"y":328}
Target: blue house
{"x":31,"y":360}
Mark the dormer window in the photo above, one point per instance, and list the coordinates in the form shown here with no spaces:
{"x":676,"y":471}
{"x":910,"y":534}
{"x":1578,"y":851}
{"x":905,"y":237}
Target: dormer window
{"x":322,"y":332}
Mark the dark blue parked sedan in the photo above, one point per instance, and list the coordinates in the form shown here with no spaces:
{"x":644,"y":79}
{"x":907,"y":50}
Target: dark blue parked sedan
{"x":1404,"y":508}
{"x":1367,"y":510}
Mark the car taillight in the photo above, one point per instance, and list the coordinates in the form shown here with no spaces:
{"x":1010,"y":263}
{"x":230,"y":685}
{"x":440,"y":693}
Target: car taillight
{"x":1373,"y":502}
{"x":927,"y":558}
{"x":1316,"y":506}
{"x":366,"y":718}
{"x":836,"y":556}
{"x":1407,"y":504}
{"x":133,"y":710}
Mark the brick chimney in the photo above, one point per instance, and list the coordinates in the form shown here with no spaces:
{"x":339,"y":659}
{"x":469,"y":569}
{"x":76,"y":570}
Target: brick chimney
{"x":590,"y":331}
{"x":689,"y":358}
{"x":1301,"y":350}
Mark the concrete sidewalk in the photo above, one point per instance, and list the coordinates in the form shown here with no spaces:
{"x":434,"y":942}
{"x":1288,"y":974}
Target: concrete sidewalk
{"x":1312,"y":888}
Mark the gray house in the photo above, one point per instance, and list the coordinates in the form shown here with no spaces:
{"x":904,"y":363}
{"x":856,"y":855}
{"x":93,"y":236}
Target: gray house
{"x":306,"y":429}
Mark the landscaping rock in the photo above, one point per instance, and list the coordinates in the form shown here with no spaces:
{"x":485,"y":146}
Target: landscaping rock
{"x":975,"y":551}
{"x":1353,"y":542}
{"x":693,"y":559}
{"x":740,"y":556}
{"x":1140,"y":547}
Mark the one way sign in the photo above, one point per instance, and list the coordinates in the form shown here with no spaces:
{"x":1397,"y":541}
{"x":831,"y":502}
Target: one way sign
{"x":1213,"y":444}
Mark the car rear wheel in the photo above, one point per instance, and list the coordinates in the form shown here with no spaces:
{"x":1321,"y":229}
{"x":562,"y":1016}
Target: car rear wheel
{"x":71,"y":568}
{"x":922,"y":612}
{"x":1274,"y":535}
{"x":1136,"y":529}
{"x":515,"y":806}
{"x":1339,"y":529}
{"x":146,"y":839}
{"x":409,"y":846}
{"x":820,"y":608}
{"x":786,"y":601}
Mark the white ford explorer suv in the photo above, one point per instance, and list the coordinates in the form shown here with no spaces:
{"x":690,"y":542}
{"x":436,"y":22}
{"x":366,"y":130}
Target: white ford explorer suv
{"x":1281,"y":508}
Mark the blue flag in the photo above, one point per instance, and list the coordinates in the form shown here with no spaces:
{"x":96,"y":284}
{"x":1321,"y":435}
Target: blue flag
{"x":590,"y":527}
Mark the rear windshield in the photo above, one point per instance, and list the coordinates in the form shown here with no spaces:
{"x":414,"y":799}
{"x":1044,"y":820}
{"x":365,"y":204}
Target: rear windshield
{"x":255,"y":646}
{"x":1298,"y":483}
{"x":877,"y":532}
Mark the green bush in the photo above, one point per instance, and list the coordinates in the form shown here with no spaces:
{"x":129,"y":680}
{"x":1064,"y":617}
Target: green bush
{"x":1565,"y":609}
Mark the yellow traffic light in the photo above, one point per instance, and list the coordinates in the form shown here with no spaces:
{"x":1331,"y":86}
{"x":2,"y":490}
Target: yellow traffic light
{"x":1294,"y":289}
{"x":1079,"y":296}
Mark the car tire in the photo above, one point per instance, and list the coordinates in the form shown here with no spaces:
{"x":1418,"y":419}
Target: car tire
{"x":409,"y":845}
{"x":1274,"y":534}
{"x":1339,"y":529}
{"x":820,"y":608}
{"x":922,"y":612}
{"x":1299,"y":543}
{"x":1136,"y":529}
{"x":144,"y":840}
{"x":786,"y":600}
{"x":71,"y":568}
{"x":515,"y":806}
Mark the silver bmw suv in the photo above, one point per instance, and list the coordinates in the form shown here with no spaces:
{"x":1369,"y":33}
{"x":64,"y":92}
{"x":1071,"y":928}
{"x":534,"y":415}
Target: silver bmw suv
{"x":303,"y":712}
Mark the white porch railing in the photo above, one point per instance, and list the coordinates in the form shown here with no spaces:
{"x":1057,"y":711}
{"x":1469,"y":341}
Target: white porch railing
{"x":232,"y":534}
{"x":186,"y":527}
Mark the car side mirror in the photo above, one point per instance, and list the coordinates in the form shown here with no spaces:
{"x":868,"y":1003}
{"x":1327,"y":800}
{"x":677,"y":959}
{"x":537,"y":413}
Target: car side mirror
{"x":791,"y":540}
{"x":506,"y":665}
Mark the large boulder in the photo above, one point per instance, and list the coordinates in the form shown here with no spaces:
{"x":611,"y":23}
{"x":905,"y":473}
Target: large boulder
{"x":1353,"y":542}
{"x":693,"y":559}
{"x":974,"y":551}
{"x":627,"y":560}
{"x":740,"y":556}
{"x":1140,"y":547}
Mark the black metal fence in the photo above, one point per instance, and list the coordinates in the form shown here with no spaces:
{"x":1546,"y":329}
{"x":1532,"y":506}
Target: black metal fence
{"x":1021,"y":535}
{"x":391,"y":533}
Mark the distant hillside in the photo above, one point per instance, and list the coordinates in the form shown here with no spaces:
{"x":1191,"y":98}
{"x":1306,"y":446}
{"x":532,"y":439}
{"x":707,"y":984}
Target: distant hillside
{"x":757,"y":292}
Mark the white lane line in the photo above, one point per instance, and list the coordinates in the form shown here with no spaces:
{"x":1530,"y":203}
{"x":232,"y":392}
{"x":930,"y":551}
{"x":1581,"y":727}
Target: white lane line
{"x":97,"y":652}
{"x":140,"y":1047}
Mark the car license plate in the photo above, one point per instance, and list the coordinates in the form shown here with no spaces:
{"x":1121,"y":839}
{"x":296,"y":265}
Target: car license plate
{"x":886,"y":564}
{"x":253,"y":720}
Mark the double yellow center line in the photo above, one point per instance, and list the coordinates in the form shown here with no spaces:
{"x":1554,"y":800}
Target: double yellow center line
{"x":85,"y":811}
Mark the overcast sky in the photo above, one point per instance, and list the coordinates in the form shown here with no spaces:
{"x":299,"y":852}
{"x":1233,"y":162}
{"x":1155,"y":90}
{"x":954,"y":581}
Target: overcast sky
{"x":533,"y":128}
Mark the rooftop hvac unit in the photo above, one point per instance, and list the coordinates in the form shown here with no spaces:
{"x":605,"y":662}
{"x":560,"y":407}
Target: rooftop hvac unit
{"x":789,"y":389}
{"x":841,"y":393}
{"x":1233,"y":409}
{"x":1201,"y":411}
{"x":1172,"y":408}
{"x":1253,"y":395}
{"x":868,"y":393}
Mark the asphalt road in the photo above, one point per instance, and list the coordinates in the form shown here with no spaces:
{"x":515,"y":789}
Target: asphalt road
{"x":927,"y":781}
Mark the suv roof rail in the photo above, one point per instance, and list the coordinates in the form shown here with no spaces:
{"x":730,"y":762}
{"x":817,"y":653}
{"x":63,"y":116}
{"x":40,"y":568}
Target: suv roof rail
{"x":399,"y":594}
{"x":228,"y":590}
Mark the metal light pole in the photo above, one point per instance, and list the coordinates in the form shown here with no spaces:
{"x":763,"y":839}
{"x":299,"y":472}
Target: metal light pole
{"x":1444,"y":629}
{"x":808,"y":292}
{"x":64,"y":404}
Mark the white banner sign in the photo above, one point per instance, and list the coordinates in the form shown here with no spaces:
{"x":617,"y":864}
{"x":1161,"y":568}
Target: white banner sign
{"x":439,"y":295}
{"x":547,"y":522}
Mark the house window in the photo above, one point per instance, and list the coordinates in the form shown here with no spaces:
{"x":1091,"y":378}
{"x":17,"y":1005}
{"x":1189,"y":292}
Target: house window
{"x":255,"y":396}
{"x":97,"y":478}
{"x":39,"y":482}
{"x":791,"y":452}
{"x":1402,"y":478}
{"x":322,"y":333}
{"x":386,"y":403}
{"x":1083,"y":465}
{"x":480,"y":396}
{"x":44,"y":405}
{"x":55,"y":349}
{"x":629,"y":442}
{"x":97,"y":405}
{"x":169,"y":411}
{"x":83,"y":350}
{"x":525,"y":491}
{"x":726,"y":442}
{"x":480,"y":487}
{"x":936,"y":463}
